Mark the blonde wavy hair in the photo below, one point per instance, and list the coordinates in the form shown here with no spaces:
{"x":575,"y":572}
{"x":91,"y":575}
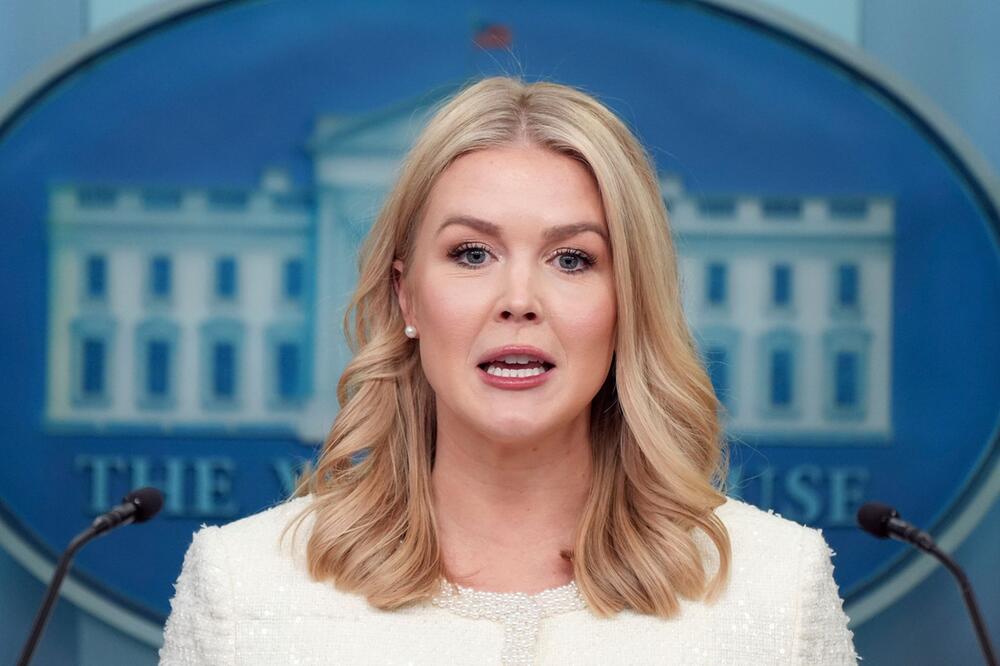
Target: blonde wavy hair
{"x":656,"y":439}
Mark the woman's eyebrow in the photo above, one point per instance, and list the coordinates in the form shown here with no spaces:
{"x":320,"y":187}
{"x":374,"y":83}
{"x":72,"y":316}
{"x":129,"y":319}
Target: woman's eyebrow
{"x":556,"y":233}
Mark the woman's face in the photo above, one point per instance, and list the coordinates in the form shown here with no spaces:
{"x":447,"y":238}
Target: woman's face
{"x":513,"y":250}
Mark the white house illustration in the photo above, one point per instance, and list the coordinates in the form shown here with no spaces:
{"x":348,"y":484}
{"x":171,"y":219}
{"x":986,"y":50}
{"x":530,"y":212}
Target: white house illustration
{"x":189,"y":311}
{"x":791,"y":301}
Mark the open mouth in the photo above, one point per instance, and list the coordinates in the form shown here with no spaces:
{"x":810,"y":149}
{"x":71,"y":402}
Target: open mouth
{"x":504,"y":369}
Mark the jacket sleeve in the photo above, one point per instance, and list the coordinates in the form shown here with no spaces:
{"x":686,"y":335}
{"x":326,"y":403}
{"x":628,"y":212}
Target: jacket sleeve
{"x":821,"y":633}
{"x":200,"y":628}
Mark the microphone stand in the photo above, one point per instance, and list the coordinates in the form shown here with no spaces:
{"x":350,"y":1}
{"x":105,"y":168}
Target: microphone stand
{"x":78,"y":542}
{"x":883,"y":522}
{"x":968,"y":596}
{"x":136,"y":507}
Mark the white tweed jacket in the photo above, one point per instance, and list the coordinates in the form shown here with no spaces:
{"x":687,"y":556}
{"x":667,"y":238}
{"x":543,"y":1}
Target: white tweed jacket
{"x":241,"y":598}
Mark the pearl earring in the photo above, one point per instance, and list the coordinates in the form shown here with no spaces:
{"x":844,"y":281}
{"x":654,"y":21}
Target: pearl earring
{"x":410,"y":331}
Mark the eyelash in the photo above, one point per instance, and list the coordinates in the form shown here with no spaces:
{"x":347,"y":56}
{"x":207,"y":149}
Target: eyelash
{"x":588,"y":261}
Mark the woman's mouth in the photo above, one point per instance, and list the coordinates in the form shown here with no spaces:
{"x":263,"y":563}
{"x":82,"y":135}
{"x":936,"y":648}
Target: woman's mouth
{"x":501,"y":374}
{"x":502,"y":369}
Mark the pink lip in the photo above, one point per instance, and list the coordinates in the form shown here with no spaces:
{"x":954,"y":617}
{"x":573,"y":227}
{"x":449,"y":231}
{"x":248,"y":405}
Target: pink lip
{"x":510,"y":350}
{"x":515,"y":383}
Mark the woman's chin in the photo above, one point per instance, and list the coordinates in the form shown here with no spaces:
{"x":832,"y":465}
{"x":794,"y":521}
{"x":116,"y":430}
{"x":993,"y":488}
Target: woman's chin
{"x":511,"y":429}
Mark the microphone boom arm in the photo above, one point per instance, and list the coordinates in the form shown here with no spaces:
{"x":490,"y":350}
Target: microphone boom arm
{"x":968,"y":596}
{"x":52,"y":593}
{"x":882,"y":521}
{"x":136,"y":507}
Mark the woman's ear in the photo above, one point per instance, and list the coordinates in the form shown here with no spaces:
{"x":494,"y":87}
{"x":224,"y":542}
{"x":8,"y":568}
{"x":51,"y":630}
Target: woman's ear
{"x":399,"y":286}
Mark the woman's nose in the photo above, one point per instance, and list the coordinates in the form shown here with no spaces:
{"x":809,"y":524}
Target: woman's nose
{"x":527,"y":316}
{"x":519,"y":300}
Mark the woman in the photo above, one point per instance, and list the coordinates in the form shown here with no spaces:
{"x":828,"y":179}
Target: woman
{"x":526,"y":463}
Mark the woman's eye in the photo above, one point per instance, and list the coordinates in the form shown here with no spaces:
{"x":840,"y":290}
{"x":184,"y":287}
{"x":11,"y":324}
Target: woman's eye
{"x":469,"y":256}
{"x":475,"y":256}
{"x":574,"y":261}
{"x":569,"y":260}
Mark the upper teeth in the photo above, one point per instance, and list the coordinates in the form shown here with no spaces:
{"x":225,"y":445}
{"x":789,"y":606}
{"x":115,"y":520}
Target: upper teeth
{"x":520,"y":358}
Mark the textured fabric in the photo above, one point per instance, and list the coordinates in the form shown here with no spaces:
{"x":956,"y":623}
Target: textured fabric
{"x":242,"y":598}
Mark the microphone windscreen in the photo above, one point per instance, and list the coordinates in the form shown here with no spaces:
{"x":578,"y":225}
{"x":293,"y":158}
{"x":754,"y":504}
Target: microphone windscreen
{"x":148,"y":502}
{"x":873,"y":518}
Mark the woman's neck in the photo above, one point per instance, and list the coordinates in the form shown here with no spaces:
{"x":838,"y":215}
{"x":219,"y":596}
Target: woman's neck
{"x":507,"y":514}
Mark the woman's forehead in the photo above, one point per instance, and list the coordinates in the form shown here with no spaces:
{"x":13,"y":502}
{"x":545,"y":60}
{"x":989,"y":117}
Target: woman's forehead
{"x":525,"y":167}
{"x":508,"y":187}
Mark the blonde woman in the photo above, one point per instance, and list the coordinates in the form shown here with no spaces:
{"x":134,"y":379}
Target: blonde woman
{"x":527,"y":462}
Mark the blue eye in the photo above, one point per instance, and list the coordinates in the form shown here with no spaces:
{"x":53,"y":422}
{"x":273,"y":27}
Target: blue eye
{"x":476,"y":255}
{"x":473,"y":256}
{"x":577,"y":259}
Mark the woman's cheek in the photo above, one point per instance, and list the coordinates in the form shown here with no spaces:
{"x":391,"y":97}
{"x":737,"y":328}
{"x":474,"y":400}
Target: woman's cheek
{"x":455,"y":306}
{"x":590,"y":316}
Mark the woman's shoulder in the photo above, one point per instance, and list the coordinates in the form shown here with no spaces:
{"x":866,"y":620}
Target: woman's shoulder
{"x":780,"y":603}
{"x":250,"y":544}
{"x":261,"y":560}
{"x":269,"y":539}
{"x":255,"y":539}
{"x":764,"y":542}
{"x":252,"y":570}
{"x":785,"y":571}
{"x":746,"y":522}
{"x":267,"y":521}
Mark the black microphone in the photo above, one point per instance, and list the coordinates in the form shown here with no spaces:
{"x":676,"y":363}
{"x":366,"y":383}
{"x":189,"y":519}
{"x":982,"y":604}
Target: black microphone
{"x":883,"y":521}
{"x":136,"y":507}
